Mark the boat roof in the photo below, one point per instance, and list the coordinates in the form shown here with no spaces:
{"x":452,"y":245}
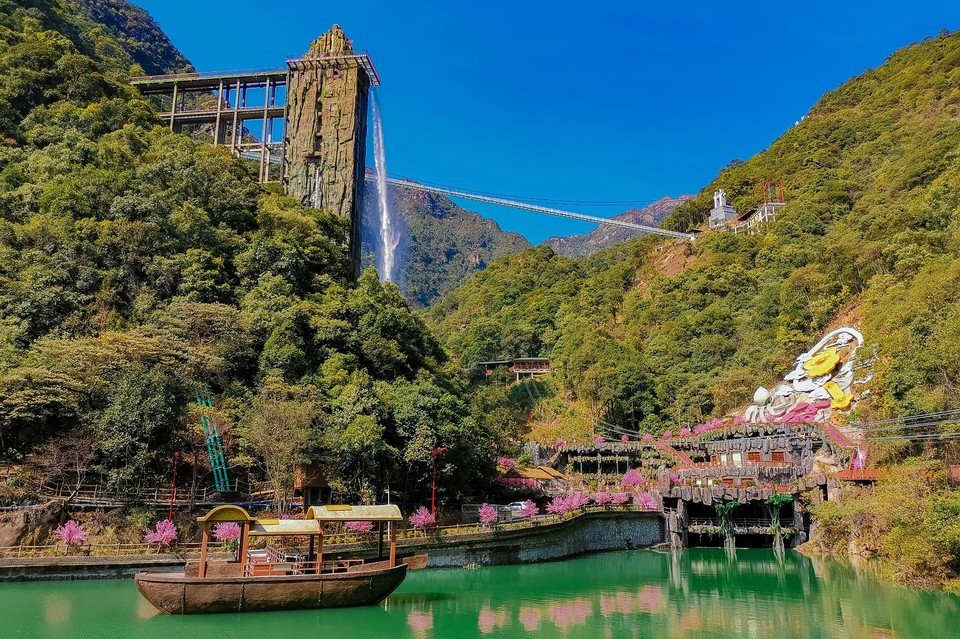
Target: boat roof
{"x":343,"y":512}
{"x":279,"y":527}
{"x":227,"y":512}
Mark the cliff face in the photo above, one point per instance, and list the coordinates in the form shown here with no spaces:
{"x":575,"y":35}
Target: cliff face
{"x":327,"y":130}
{"x":140,"y":35}
{"x":442,"y":244}
{"x":606,"y":236}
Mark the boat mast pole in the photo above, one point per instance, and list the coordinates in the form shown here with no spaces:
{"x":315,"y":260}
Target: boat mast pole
{"x":393,"y":545}
{"x":204,"y":540}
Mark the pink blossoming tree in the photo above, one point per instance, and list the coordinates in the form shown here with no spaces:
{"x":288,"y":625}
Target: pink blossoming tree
{"x":163,"y":534}
{"x":360,"y":527}
{"x":422,"y":518}
{"x":647,"y":501}
{"x":529,"y":509}
{"x":71,"y":533}
{"x":226,"y":531}
{"x":488,"y":514}
{"x":602,"y":499}
{"x":619,"y":499}
{"x":631,"y":478}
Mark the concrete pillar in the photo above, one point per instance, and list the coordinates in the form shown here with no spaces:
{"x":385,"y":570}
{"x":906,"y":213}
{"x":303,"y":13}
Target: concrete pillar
{"x":325,"y":141}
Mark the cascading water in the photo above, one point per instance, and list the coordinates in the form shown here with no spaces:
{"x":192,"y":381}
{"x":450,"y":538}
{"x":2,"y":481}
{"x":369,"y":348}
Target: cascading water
{"x":389,"y":236}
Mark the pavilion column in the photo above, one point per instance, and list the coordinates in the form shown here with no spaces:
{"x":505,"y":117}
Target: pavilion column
{"x":204,"y":540}
{"x":393,"y":545}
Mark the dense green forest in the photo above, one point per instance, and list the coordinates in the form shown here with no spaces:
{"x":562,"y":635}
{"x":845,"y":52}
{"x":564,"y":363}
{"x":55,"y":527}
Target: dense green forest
{"x":140,"y":268}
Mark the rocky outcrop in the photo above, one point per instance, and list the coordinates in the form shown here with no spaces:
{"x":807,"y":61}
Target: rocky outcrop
{"x":327,"y":131}
{"x":31,"y":526}
{"x":606,"y":236}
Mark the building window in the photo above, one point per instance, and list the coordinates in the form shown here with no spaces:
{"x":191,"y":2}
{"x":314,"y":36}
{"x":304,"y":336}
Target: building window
{"x":753,"y":457}
{"x":778,"y":456}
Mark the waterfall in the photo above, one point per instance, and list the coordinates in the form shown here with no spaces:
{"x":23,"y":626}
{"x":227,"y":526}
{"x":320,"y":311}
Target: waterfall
{"x":389,"y":236}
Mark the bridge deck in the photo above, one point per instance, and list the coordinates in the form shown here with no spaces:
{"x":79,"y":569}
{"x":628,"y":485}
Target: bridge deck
{"x":201,"y":81}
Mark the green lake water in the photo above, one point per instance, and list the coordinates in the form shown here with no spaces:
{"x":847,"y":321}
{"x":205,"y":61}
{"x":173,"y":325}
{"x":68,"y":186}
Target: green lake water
{"x":698,"y":593}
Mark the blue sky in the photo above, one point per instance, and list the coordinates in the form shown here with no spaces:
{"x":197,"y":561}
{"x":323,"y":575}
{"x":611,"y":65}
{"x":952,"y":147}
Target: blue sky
{"x":589,"y":102}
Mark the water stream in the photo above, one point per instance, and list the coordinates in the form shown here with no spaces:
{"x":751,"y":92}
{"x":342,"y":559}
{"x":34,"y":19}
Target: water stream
{"x":388,"y":238}
{"x":696,"y":594}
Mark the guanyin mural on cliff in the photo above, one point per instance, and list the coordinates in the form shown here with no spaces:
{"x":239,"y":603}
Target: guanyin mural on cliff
{"x":824,"y":381}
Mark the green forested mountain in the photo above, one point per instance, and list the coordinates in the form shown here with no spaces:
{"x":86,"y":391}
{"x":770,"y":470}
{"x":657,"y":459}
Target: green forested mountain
{"x":442,"y":244}
{"x":139,"y":34}
{"x":140,"y":268}
{"x":871,"y":226}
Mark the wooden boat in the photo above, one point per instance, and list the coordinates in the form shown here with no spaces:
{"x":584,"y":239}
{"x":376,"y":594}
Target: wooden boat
{"x":265,"y":579}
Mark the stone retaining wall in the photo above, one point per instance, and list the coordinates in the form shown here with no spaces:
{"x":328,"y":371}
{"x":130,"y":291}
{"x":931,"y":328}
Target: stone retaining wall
{"x":588,"y":533}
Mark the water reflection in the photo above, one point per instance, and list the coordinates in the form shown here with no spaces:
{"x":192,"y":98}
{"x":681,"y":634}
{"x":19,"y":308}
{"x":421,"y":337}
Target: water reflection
{"x":702,"y":594}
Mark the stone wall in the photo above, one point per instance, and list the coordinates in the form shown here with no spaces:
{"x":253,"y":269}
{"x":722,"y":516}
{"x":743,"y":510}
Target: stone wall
{"x":587,"y":533}
{"x":327,"y":130}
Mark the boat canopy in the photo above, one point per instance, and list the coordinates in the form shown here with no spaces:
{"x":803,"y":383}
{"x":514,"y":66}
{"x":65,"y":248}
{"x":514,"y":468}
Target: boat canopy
{"x":280,"y":527}
{"x":383,"y":512}
{"x":227,"y":512}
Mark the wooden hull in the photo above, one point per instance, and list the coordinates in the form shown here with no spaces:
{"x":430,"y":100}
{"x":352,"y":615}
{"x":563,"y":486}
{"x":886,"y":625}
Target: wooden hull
{"x":177,"y":594}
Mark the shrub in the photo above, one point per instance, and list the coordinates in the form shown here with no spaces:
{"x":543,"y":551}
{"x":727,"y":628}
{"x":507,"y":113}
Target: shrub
{"x":602,"y":499}
{"x":618,"y":499}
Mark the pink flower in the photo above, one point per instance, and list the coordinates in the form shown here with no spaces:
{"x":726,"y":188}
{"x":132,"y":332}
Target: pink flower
{"x":226,"y":531}
{"x":647,"y":437}
{"x":598,"y":439}
{"x":163,"y":534}
{"x":560,"y":442}
{"x":360,"y":526}
{"x":488,"y":514}
{"x":422,"y":518}
{"x":700,"y":429}
{"x":619,"y":499}
{"x":602,"y":499}
{"x":667,"y":434}
{"x":559,"y":506}
{"x":529,"y":509}
{"x":684,"y":431}
{"x":578,"y":500}
{"x":647,"y":501}
{"x":506,"y":463}
{"x":71,"y":533}
{"x":624,"y":438}
{"x":631,"y":478}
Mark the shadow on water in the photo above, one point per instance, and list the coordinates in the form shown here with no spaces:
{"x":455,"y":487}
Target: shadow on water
{"x":696,"y":593}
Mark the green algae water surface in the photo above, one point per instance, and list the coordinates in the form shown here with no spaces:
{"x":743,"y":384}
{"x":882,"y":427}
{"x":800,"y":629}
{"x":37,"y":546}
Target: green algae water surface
{"x":699,"y":593}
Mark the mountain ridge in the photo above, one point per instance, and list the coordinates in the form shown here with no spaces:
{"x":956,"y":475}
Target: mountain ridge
{"x":605,"y":236}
